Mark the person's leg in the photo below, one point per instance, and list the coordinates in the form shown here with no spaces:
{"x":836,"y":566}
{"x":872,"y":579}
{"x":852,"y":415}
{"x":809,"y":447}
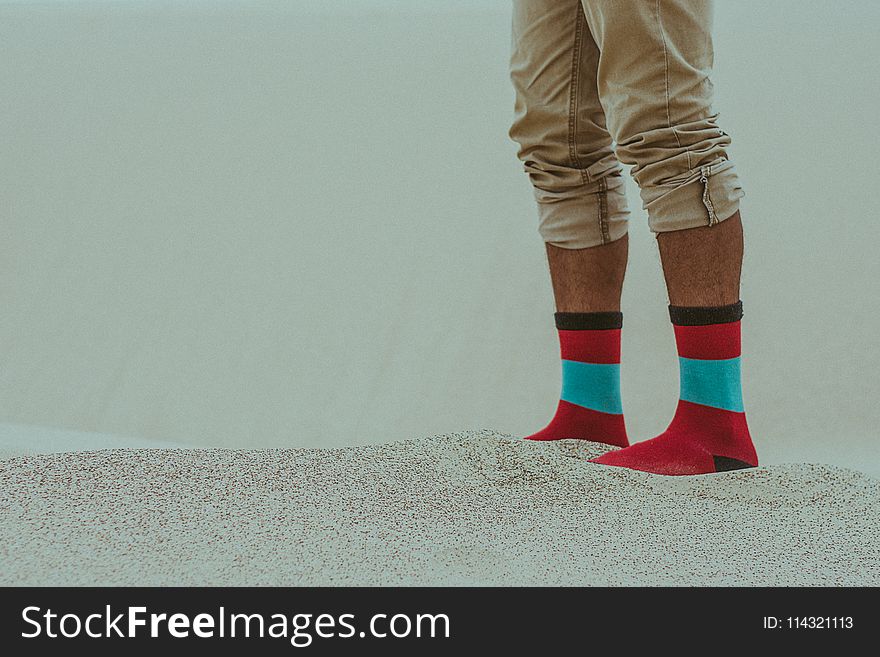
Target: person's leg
{"x":588,"y":280}
{"x":702,"y":265}
{"x":653,"y":79}
{"x":578,"y":185}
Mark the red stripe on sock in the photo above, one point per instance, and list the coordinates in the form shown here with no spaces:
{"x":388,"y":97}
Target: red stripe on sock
{"x":573,"y":421}
{"x":602,"y":346}
{"x":696,"y":435}
{"x":711,"y":342}
{"x":722,"y":432}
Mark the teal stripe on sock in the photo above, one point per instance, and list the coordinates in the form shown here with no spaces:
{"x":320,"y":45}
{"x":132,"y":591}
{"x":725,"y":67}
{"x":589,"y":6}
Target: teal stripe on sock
{"x":713,"y":383}
{"x":591,"y":385}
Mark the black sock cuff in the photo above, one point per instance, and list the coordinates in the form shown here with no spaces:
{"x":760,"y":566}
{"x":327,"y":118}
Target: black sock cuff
{"x":704,"y":315}
{"x":589,"y":321}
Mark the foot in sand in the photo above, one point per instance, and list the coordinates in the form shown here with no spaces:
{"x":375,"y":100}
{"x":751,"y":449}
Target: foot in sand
{"x":709,"y":432}
{"x":700,"y":440}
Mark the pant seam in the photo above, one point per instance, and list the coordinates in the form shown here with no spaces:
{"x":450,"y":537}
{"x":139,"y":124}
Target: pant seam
{"x":666,"y":80}
{"x":603,"y":210}
{"x":574,"y":87}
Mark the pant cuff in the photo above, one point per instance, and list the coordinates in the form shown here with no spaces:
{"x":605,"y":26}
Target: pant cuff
{"x":705,"y":196}
{"x":585,"y":218}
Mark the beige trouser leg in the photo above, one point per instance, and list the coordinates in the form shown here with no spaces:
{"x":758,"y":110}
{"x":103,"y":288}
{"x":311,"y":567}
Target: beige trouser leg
{"x":635,"y":71}
{"x":560,"y":126}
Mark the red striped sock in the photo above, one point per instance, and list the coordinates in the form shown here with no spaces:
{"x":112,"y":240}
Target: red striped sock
{"x":709,"y":432}
{"x":589,"y":406}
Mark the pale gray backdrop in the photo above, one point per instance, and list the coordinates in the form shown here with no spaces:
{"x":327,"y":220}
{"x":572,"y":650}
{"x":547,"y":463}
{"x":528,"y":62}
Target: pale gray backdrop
{"x":253,"y":224}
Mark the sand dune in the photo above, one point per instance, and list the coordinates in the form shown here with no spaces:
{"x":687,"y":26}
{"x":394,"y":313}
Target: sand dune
{"x":464,"y":508}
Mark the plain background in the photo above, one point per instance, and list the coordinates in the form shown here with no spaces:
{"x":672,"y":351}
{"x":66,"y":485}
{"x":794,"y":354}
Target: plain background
{"x":254,"y":224}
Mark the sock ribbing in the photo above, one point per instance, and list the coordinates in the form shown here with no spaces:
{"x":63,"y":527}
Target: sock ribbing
{"x":704,"y":315}
{"x":589,"y":321}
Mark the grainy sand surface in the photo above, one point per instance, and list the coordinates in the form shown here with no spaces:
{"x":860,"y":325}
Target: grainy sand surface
{"x":466,"y":508}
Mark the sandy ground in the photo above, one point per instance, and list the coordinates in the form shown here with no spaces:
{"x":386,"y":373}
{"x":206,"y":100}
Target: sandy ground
{"x":464,"y":508}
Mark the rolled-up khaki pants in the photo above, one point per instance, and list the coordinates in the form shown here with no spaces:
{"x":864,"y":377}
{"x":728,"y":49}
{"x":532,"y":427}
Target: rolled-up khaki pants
{"x":600,"y":82}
